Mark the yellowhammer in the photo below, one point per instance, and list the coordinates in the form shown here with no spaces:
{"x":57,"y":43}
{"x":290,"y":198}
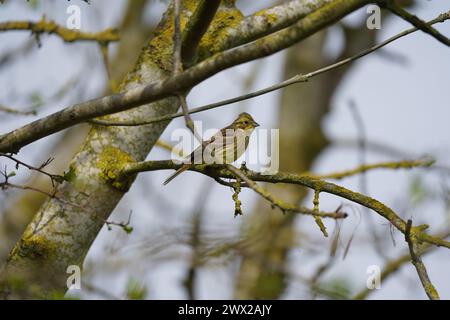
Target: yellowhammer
{"x":226,"y":146}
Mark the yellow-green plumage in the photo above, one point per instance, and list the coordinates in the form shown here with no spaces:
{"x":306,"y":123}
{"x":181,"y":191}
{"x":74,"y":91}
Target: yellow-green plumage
{"x":226,"y":146}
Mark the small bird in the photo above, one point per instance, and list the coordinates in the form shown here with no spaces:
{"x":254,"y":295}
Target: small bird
{"x":226,"y":146}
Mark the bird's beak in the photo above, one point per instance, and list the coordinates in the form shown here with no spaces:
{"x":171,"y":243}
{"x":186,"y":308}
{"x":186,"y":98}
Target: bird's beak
{"x":255,"y":124}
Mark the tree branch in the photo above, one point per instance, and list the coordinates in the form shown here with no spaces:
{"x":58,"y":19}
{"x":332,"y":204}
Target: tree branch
{"x":415,"y":21}
{"x":270,"y":20}
{"x":53,"y":177}
{"x":299,"y":78}
{"x":305,"y":180}
{"x":18,"y":112}
{"x":13,"y":141}
{"x":68,"y":35}
{"x":177,"y":63}
{"x":196,"y":28}
{"x":392,"y":266}
{"x":406,"y":164}
{"x":418,"y":264}
{"x":284,"y":207}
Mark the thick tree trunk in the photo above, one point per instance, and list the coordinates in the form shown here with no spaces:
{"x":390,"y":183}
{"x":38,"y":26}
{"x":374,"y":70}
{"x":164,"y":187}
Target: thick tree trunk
{"x":19,"y":212}
{"x":61,"y":234}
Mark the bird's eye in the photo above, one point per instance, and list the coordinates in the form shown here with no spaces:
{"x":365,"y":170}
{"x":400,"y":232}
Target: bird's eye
{"x":246,"y":122}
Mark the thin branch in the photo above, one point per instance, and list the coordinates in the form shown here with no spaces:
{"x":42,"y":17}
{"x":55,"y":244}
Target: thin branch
{"x":270,"y":20}
{"x":290,"y":178}
{"x":68,"y":35}
{"x":177,"y":64}
{"x":406,"y":164}
{"x":54,"y":195}
{"x":13,"y":141}
{"x":196,"y":28}
{"x":317,"y":219}
{"x":394,"y":265}
{"x":53,"y":177}
{"x":284,"y":207}
{"x":418,"y":23}
{"x":178,"y":61}
{"x":299,"y":78}
{"x":188,"y":119}
{"x":18,"y":112}
{"x":195,"y":241}
{"x":419,"y":265}
{"x":362,"y":137}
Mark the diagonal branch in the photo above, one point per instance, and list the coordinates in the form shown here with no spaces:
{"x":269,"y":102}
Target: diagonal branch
{"x":188,"y":119}
{"x":13,"y":141}
{"x":305,"y":180}
{"x":416,"y":22}
{"x":392,"y":266}
{"x":53,"y":177}
{"x":284,"y":207}
{"x":177,"y":64}
{"x":178,"y":59}
{"x":294,"y":80}
{"x":196,"y":28}
{"x":68,"y":35}
{"x":267,"y":21}
{"x":18,"y":112}
{"x":418,"y":264}
{"x":406,"y":164}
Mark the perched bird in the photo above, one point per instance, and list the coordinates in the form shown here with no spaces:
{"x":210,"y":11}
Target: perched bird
{"x":226,"y":146}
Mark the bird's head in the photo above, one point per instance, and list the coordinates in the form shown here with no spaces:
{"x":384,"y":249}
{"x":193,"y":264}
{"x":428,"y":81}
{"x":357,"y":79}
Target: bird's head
{"x":245,"y":122}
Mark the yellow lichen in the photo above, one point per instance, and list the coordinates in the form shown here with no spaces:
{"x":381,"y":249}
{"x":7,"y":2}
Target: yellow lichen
{"x":271,"y":18}
{"x":159,"y":51}
{"x":35,"y":246}
{"x":111,"y":161}
{"x":218,"y":31}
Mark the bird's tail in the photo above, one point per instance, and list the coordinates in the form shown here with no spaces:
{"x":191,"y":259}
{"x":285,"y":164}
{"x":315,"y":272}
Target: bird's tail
{"x":179,"y":171}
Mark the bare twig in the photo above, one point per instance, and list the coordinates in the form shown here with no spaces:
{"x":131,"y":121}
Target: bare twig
{"x":195,"y":241}
{"x":18,"y":112}
{"x":270,"y":20}
{"x":124,"y":225}
{"x":68,"y":35}
{"x":53,"y":177}
{"x":177,"y":64}
{"x":317,"y":219}
{"x":284,"y":207}
{"x":394,"y":265}
{"x":178,"y":67}
{"x":405,"y":164}
{"x":306,"y":180}
{"x":6,"y":184}
{"x":13,"y":141}
{"x":418,"y":264}
{"x":416,"y":22}
{"x":196,"y":28}
{"x":299,"y":78}
{"x":188,"y":119}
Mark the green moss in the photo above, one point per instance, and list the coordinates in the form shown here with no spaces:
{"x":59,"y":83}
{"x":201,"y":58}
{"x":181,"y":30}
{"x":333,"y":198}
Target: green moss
{"x":111,"y":161}
{"x":268,"y":286}
{"x":33,"y":247}
{"x":159,"y":50}
{"x":217,"y":31}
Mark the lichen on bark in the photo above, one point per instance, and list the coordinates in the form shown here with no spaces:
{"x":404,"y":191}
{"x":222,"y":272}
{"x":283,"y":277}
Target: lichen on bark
{"x":60,"y":235}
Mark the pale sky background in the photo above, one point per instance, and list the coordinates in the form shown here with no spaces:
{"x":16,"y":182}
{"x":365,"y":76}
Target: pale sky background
{"x":404,"y":105}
